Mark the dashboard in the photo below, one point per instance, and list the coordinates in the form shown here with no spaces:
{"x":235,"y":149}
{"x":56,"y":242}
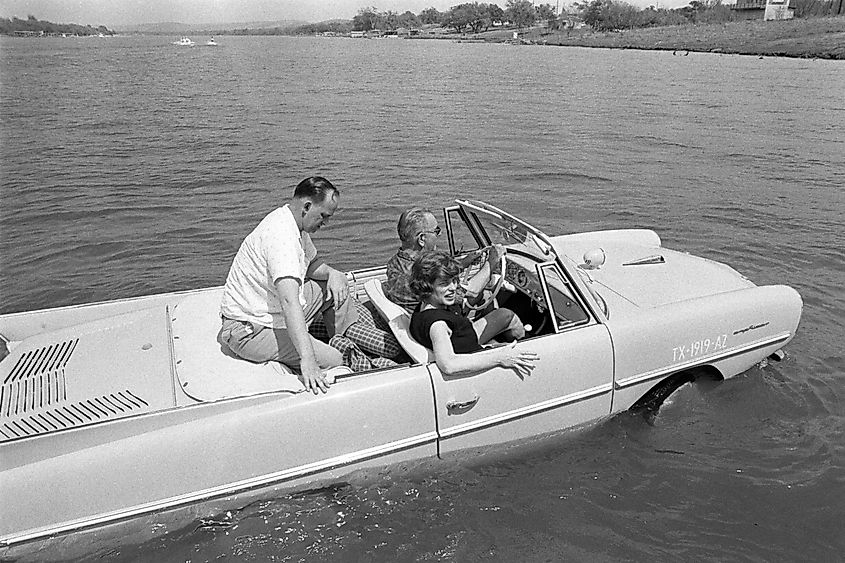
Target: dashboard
{"x":521,"y":273}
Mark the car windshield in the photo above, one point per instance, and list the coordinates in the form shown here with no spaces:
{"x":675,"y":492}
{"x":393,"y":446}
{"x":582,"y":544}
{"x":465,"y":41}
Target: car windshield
{"x":507,"y":230}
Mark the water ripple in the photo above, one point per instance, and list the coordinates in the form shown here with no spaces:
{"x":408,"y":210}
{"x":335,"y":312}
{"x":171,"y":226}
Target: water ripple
{"x":130,"y":167}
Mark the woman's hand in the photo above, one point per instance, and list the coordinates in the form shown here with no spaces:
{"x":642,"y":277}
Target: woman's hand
{"x":522,"y":362}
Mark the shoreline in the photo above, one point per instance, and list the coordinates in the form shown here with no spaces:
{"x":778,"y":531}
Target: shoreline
{"x":810,"y":38}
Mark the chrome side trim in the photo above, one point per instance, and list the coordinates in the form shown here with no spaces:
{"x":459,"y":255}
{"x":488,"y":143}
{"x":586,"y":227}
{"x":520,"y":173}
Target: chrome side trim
{"x":525,"y":411}
{"x":168,"y":325}
{"x":701,"y":360}
{"x":224,"y":490}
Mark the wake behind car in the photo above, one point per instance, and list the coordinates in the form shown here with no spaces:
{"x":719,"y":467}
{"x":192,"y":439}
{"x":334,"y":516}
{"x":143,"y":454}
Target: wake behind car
{"x":114,"y":410}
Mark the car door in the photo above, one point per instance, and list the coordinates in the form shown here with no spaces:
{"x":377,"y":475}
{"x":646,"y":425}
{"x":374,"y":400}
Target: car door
{"x":571,"y":383}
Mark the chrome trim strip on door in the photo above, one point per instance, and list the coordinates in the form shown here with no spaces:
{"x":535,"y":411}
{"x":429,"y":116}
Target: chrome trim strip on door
{"x":525,"y":411}
{"x":702,"y":360}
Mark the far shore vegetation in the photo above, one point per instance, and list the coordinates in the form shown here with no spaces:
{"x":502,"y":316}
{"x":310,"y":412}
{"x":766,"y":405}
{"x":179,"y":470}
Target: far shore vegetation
{"x":35,"y":27}
{"x":816,"y":28}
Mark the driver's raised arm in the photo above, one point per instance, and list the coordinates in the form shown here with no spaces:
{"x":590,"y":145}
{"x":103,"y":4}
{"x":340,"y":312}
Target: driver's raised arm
{"x":478,"y":282}
{"x":481,"y":279}
{"x":469,"y":258}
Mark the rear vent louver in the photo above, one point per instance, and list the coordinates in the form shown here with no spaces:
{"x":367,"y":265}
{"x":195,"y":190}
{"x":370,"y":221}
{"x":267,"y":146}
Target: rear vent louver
{"x":37,"y":379}
{"x":113,"y":405}
{"x":34,"y":395}
{"x":42,"y":360}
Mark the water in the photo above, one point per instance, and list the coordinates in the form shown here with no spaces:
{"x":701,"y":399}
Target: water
{"x":131,"y":166}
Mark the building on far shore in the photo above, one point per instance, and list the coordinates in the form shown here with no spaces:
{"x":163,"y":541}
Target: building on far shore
{"x":763,"y":9}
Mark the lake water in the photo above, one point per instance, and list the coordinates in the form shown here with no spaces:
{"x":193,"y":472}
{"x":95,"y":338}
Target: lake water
{"x":132,"y":166}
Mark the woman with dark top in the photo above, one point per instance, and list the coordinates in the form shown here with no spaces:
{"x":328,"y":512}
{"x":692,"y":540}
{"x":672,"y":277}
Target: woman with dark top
{"x":439,"y":323}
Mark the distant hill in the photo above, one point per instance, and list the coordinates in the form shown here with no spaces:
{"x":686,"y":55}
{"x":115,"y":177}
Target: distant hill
{"x":178,"y":27}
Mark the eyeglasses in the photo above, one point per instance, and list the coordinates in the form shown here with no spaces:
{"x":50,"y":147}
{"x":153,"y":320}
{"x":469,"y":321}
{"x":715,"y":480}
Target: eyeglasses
{"x":436,"y":231}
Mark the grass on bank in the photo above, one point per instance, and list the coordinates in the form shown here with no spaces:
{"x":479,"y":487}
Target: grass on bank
{"x":806,"y":37}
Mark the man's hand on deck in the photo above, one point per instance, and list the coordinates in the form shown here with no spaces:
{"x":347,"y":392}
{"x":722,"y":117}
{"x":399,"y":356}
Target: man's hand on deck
{"x":313,"y":377}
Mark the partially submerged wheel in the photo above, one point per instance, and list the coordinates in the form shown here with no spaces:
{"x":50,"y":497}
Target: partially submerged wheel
{"x":650,"y":403}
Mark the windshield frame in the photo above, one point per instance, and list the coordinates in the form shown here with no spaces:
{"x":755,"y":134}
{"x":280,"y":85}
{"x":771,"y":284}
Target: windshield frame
{"x":528,"y":238}
{"x":545,"y":251}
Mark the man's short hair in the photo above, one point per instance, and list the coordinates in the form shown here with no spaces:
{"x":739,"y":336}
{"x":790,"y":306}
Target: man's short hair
{"x":315,"y":188}
{"x":411,"y":223}
{"x":428,"y":268}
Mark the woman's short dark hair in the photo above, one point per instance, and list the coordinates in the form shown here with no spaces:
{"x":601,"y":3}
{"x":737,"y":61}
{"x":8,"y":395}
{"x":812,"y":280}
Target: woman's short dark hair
{"x":315,"y":188}
{"x":428,"y":268}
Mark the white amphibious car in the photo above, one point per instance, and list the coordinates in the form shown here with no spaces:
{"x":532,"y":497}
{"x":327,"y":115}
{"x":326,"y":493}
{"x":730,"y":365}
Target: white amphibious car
{"x":124,"y":408}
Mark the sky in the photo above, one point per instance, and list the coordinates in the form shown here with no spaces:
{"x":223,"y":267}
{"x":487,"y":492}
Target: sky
{"x":127,"y":12}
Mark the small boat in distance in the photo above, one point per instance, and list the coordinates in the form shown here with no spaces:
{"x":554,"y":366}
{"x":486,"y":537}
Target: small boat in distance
{"x":184,"y":42}
{"x":211,"y":42}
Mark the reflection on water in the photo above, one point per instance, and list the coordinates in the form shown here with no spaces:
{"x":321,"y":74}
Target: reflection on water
{"x":130,"y":166}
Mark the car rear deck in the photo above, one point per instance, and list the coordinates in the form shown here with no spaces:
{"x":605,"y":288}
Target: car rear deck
{"x":77,"y":366}
{"x":89,"y":373}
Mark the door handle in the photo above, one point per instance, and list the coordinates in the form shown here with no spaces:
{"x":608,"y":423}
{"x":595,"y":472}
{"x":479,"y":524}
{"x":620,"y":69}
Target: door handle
{"x":462,"y":405}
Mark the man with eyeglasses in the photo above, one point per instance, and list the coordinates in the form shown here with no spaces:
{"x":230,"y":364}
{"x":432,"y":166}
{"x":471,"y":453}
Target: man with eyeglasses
{"x":418,"y":232}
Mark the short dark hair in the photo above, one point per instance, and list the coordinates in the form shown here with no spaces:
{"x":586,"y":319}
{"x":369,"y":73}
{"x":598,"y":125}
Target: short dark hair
{"x":315,"y":188}
{"x":428,"y":268}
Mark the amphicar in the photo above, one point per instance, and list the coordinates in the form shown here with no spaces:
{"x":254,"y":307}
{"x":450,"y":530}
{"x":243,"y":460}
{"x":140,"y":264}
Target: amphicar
{"x":114,"y":410}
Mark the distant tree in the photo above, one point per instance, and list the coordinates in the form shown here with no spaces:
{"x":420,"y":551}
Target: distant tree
{"x":520,"y":13}
{"x":591,"y":12}
{"x":488,"y":15}
{"x":366,"y":20}
{"x":610,"y":15}
{"x":481,"y":17}
{"x":624,"y":15}
{"x":454,"y":19}
{"x":390,"y":20}
{"x":495,"y":14}
{"x":545,"y":12}
{"x":409,"y":20}
{"x":467,"y":15}
{"x":431,"y":16}
{"x":649,"y":17}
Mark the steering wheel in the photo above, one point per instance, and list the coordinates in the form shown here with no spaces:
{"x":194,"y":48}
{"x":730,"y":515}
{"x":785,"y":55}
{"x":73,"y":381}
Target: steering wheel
{"x":485,"y":253}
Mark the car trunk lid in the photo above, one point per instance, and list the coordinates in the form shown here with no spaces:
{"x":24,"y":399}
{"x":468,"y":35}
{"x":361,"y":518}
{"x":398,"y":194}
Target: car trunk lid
{"x":651,"y":276}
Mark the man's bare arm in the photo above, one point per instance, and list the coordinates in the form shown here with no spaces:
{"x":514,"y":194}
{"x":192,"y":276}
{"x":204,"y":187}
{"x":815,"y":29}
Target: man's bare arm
{"x":336,"y":281}
{"x":312,"y":376}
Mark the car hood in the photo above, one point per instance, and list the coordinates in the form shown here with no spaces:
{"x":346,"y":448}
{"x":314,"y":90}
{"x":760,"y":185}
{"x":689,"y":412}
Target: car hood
{"x":646,"y":274}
